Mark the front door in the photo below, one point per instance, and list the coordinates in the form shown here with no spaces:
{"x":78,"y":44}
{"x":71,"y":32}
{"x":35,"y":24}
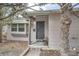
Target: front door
{"x":40,"y":27}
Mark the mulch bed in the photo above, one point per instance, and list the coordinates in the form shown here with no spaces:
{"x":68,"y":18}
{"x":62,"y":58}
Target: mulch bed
{"x":49,"y":52}
{"x":12,"y":48}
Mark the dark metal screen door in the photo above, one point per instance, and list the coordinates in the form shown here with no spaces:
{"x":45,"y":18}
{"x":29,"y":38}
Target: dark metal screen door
{"x":40,"y":26}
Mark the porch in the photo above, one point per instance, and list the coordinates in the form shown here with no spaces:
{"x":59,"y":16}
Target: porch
{"x":38,"y":45}
{"x":38,"y":31}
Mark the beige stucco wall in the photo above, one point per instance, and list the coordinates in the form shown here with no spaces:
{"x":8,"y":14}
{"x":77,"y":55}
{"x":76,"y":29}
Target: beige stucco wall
{"x":55,"y":36}
{"x":11,"y":37}
{"x":54,"y":32}
{"x":74,"y":32}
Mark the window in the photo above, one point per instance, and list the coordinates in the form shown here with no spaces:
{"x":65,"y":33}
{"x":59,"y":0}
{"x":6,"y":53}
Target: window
{"x":17,"y":27}
{"x":27,"y":30}
{"x":21,"y":27}
{"x":14,"y":27}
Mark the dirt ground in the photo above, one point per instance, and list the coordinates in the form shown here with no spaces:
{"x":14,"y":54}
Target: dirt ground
{"x":12,"y":48}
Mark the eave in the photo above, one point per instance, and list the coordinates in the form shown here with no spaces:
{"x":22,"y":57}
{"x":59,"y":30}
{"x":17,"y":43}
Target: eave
{"x":48,"y":12}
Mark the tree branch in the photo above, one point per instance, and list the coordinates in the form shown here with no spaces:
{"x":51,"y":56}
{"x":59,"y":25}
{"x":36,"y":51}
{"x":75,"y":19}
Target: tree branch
{"x":12,"y":14}
{"x":10,"y":4}
{"x":33,"y":9}
{"x":59,"y":4}
{"x":74,"y":6}
{"x":64,"y":5}
{"x":75,"y":14}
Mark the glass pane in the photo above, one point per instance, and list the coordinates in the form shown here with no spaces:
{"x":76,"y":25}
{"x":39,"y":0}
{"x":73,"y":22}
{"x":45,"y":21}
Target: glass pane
{"x":21,"y":27}
{"x":14,"y":27}
{"x":27,"y":30}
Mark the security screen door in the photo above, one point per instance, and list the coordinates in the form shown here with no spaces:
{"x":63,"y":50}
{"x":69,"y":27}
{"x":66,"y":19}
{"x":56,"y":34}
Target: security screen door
{"x":40,"y":29}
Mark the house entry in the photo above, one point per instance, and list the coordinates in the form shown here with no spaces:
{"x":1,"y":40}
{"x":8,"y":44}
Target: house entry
{"x":40,"y":29}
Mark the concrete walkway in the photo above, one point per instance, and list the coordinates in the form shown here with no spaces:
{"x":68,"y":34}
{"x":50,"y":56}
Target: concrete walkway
{"x":35,"y":49}
{"x":33,"y":52}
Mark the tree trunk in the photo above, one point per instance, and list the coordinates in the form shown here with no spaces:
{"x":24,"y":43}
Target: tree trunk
{"x":1,"y":24}
{"x":0,"y":33}
{"x":65,"y":25}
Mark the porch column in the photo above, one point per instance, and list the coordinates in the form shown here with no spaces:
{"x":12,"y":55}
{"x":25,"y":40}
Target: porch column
{"x":32,"y":18}
{"x":30,"y":31}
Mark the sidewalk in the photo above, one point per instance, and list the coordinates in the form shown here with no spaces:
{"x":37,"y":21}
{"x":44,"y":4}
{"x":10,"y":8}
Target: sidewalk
{"x":33,"y":52}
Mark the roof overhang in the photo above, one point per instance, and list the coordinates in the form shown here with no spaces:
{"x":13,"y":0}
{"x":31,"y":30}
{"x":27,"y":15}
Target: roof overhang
{"x":42,"y":12}
{"x":48,"y":12}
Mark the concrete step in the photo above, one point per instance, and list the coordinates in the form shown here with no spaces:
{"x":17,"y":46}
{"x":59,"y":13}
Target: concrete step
{"x":33,"y":46}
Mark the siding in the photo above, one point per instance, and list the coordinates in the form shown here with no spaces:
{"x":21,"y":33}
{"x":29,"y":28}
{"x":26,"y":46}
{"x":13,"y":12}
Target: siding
{"x":54,"y":32}
{"x":74,"y":32}
{"x":16,"y":36}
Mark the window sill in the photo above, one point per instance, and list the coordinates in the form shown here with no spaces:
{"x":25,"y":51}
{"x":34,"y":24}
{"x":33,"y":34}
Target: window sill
{"x":18,"y":32}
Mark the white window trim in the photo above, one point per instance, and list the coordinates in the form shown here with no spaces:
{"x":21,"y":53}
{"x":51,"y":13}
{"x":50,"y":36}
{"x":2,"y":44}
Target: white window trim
{"x":18,"y":32}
